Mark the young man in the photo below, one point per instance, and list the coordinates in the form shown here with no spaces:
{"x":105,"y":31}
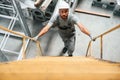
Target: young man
{"x":65,"y":23}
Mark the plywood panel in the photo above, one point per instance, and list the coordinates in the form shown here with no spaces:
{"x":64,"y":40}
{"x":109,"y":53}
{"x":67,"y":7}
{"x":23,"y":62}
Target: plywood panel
{"x":60,"y":68}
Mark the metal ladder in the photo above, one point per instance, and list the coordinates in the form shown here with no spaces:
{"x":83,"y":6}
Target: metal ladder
{"x":15,"y":16}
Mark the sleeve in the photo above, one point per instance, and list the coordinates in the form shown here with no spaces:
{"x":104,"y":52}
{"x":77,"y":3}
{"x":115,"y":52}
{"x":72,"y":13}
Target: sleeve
{"x":52,"y":20}
{"x":75,"y":19}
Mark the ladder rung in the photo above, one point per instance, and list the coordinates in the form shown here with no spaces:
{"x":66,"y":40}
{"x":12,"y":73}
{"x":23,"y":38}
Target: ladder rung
{"x":8,"y":17}
{"x":6,"y":5}
{"x":11,"y":52}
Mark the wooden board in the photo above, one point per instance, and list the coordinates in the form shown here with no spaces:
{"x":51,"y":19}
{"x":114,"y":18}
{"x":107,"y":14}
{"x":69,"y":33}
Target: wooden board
{"x":60,"y":68}
{"x":45,"y":4}
{"x":92,"y":13}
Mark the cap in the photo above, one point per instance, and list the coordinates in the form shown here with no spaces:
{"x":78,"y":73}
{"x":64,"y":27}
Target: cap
{"x":64,"y":5}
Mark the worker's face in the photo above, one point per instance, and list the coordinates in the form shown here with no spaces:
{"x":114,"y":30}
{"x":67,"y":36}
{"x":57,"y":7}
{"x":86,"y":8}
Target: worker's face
{"x":64,"y":13}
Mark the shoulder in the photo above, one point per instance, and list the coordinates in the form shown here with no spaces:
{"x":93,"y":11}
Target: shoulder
{"x":74,"y":18}
{"x":52,"y":19}
{"x":55,"y":16}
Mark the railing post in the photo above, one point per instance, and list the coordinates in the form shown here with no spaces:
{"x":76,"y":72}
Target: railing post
{"x":101,"y":47}
{"x":24,"y":49}
{"x":39,"y":50}
{"x":88,"y":49}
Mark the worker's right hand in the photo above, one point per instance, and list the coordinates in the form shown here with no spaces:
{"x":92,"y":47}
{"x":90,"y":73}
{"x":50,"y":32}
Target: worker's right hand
{"x":36,"y":37}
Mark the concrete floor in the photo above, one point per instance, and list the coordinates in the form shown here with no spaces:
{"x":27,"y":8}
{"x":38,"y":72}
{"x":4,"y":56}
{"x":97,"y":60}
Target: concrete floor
{"x":52,"y":44}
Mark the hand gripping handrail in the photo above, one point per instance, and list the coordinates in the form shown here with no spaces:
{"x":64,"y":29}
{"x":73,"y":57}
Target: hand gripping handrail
{"x":88,"y":52}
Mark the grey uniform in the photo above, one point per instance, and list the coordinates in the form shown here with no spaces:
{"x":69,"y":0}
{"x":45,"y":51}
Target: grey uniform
{"x":66,"y":30}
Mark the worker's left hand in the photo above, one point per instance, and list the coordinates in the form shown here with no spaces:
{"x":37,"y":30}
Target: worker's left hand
{"x":91,"y":38}
{"x":36,"y":37}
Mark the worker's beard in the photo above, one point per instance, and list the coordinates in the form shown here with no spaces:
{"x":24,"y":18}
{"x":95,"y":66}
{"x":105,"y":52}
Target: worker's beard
{"x":64,"y":17}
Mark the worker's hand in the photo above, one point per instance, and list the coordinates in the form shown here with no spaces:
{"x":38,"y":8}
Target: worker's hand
{"x":91,"y":38}
{"x":36,"y":37}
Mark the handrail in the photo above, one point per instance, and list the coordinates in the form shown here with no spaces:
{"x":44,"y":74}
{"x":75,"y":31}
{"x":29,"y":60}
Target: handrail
{"x":101,"y":41}
{"x":24,"y":37}
{"x":110,"y":30}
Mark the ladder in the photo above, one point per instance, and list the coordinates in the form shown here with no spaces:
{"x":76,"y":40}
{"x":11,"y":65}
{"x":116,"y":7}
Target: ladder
{"x":15,"y":16}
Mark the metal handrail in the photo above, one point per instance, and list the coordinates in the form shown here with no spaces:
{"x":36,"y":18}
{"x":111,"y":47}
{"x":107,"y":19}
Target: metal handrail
{"x":88,"y":52}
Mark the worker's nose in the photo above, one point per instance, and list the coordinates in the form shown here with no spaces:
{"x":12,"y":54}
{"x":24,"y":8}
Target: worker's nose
{"x":63,"y":13}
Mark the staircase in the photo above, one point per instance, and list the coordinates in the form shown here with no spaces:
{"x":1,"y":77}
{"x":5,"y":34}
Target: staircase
{"x":60,"y":68}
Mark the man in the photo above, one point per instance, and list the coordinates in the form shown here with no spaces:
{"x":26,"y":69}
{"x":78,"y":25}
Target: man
{"x":65,"y":23}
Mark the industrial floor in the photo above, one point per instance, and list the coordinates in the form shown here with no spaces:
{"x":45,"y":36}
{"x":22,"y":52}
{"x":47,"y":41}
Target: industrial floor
{"x":52,"y":44}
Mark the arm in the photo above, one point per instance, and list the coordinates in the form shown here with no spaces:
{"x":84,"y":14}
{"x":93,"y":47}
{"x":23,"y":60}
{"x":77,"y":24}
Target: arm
{"x":44,"y":30}
{"x":48,"y":26}
{"x":83,"y":29}
{"x":76,"y":21}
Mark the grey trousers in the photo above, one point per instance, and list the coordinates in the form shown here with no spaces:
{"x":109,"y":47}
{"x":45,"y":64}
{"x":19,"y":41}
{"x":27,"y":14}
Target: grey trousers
{"x":69,"y":41}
